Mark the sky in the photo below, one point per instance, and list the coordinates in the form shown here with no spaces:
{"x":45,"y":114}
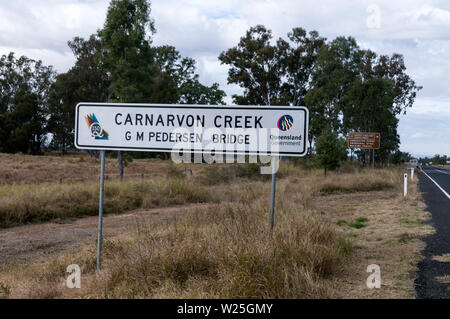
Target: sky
{"x":202,"y":29}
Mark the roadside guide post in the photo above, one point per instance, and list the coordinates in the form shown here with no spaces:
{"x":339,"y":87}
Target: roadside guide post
{"x":191,"y":129}
{"x":405,"y":185}
{"x":412,"y":173}
{"x":100,"y":208}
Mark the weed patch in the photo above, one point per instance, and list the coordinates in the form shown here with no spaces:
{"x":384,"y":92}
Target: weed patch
{"x":410,"y":223}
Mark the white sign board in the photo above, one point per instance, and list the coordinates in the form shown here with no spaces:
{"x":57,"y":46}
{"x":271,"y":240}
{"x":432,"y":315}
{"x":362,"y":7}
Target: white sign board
{"x":218,"y":129}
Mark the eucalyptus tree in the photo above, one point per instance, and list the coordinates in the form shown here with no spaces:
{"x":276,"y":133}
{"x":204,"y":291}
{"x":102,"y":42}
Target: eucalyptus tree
{"x":333,"y":74}
{"x":381,"y":92}
{"x":298,"y":57}
{"x":128,"y":57}
{"x":178,"y":82}
{"x":369,"y":105}
{"x":87,"y":80}
{"x":24,"y":94}
{"x":255,"y":65}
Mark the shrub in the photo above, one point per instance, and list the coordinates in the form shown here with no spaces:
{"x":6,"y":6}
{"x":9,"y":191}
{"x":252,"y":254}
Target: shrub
{"x":174,"y":172}
{"x":331,"y":150}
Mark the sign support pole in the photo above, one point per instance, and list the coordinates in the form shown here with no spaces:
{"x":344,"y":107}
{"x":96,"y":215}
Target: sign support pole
{"x":373,"y":158}
{"x":272,"y":195}
{"x":100,"y":209}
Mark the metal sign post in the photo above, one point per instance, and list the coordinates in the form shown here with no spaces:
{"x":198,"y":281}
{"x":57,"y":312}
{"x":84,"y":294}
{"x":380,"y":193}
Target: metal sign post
{"x":275,"y":165}
{"x":100,"y":209}
{"x":373,"y":158}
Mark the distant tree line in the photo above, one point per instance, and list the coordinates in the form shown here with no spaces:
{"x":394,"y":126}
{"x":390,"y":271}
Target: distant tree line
{"x":346,"y":88}
{"x":436,"y":159}
{"x":399,"y":157}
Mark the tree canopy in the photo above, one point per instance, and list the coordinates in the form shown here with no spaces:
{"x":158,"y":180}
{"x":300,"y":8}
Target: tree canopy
{"x":119,"y":64}
{"x":128,"y":58}
{"x":24,"y":93}
{"x":345,"y":88}
{"x":87,"y":80}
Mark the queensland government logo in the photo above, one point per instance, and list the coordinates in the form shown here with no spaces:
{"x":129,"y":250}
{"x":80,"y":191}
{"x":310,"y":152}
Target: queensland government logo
{"x":286,"y":123}
{"x":96,"y":129}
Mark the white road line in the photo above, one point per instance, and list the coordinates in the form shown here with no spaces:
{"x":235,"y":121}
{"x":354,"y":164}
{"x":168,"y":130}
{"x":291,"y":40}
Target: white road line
{"x":446,"y":194}
{"x":441,"y":170}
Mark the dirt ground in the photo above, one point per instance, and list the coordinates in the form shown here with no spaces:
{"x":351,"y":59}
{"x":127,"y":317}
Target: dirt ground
{"x":32,"y":243}
{"x":391,"y":239}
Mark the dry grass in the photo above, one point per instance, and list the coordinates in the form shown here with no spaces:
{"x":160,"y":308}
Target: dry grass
{"x":22,"y":204}
{"x":43,"y":188}
{"x":27,"y":169}
{"x":224,"y":250}
{"x":368,"y":181}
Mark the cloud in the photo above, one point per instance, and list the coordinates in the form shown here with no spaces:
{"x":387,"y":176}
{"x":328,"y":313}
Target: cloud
{"x":41,"y":28}
{"x":425,"y":134}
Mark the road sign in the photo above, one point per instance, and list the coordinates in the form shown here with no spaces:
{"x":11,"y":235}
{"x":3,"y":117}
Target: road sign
{"x":364,"y":140}
{"x":249,"y":130}
{"x":218,"y":129}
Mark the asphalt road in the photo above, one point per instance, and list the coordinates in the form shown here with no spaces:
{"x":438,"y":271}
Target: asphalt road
{"x":438,"y":244}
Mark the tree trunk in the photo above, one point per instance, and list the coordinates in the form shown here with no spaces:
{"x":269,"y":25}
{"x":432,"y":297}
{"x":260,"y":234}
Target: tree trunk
{"x":120,"y":159}
{"x":367,"y":159}
{"x":373,"y":159}
{"x":310,"y":146}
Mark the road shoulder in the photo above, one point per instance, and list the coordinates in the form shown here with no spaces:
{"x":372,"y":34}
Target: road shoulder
{"x":433,"y":279}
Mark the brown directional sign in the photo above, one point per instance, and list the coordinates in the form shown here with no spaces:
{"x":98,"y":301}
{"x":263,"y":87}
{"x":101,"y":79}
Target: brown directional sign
{"x":364,"y":140}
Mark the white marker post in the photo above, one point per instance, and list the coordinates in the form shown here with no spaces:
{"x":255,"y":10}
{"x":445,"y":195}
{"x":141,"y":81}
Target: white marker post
{"x":412,"y":173}
{"x":405,"y":185}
